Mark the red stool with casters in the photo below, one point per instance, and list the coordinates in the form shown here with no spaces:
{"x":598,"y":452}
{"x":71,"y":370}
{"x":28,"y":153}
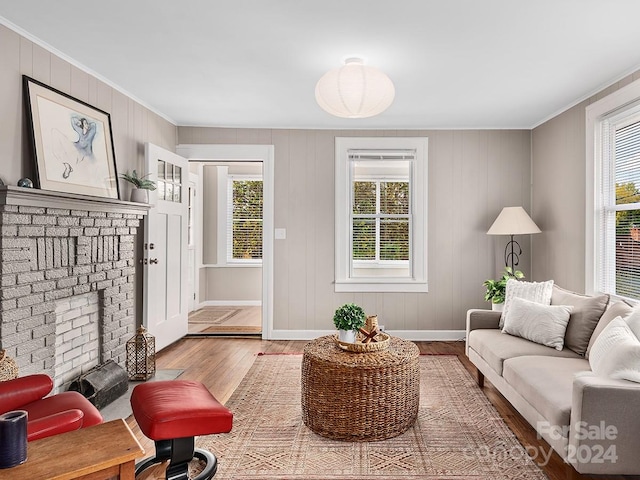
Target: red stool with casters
{"x":172,"y":413}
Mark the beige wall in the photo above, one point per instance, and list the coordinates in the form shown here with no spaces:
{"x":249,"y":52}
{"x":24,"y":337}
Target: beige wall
{"x":558,"y":194}
{"x":132,"y":124}
{"x":472,"y":175}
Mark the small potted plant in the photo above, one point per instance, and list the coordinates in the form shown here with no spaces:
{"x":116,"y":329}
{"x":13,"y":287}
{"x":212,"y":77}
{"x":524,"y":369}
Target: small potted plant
{"x":142,"y":186}
{"x":348,"y":319}
{"x":496,"y":289}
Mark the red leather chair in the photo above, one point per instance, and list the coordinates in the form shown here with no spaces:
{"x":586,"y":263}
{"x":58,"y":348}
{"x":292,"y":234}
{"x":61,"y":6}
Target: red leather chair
{"x":47,"y":416}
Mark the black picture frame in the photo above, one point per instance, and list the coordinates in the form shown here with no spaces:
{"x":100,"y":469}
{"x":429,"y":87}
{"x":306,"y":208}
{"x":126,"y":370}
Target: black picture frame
{"x":72,"y":143}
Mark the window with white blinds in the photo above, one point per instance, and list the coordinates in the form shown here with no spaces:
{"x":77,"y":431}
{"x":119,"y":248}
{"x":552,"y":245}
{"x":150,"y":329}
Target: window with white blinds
{"x":381,"y":214}
{"x":381,"y":210}
{"x":244,"y":218}
{"x":619,"y":272}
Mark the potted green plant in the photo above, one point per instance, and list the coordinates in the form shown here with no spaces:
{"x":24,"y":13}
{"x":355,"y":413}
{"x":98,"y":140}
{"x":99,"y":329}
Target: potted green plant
{"x":348,"y":319}
{"x":496,"y":289}
{"x":142,"y":186}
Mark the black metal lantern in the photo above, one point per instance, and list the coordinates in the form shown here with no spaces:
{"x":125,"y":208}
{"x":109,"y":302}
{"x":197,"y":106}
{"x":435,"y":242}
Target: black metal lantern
{"x":141,"y":355}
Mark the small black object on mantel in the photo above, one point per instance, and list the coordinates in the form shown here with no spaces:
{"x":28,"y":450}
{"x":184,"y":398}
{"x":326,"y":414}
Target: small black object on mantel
{"x":25,"y":182}
{"x":141,"y":355}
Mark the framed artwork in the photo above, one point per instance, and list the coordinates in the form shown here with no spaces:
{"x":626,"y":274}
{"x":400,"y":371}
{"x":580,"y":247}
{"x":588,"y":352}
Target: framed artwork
{"x":72,"y":143}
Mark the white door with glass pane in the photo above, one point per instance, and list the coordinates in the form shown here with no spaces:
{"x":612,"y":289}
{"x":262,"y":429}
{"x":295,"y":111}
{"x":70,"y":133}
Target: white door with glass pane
{"x":166,"y":290}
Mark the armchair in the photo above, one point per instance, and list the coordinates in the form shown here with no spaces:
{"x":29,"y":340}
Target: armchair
{"x":47,"y":416}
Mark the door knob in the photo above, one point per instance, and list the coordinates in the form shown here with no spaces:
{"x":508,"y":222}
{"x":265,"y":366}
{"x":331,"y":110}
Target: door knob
{"x":153,"y":260}
{"x":142,"y":261}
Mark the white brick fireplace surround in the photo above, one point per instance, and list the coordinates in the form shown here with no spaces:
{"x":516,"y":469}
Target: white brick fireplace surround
{"x":57,"y":245}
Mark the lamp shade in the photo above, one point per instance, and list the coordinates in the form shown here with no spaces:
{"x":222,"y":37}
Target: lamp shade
{"x":354,"y":90}
{"x":513,"y":221}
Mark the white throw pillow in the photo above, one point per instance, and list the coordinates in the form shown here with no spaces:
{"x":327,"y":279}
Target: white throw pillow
{"x":544,"y":324}
{"x":633,"y":320}
{"x":539,"y":292}
{"x":616,"y":352}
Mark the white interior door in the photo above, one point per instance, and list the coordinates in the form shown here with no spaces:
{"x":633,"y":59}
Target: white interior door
{"x":165,"y":302}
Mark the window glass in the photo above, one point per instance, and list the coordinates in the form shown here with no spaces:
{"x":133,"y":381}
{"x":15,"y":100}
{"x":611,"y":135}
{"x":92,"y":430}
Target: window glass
{"x":626,"y":140}
{"x":245,"y":219}
{"x":381,"y":219}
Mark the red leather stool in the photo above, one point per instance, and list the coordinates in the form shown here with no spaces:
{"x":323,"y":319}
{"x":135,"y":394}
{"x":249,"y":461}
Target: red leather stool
{"x":172,"y":413}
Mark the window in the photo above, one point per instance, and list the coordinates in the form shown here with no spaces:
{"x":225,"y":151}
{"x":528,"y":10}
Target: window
{"x":169,"y":182}
{"x":619,"y":214}
{"x":381,"y":214}
{"x":244,"y":218}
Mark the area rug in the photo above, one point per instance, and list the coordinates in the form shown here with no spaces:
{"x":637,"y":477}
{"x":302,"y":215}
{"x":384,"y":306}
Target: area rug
{"x":458,"y":434}
{"x":213,"y":315}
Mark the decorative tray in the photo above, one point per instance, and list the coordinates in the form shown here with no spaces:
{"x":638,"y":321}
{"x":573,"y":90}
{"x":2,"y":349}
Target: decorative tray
{"x":381,"y":343}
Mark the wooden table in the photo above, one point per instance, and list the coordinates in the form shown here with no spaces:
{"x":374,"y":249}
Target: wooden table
{"x":100,"y":452}
{"x":360,"y":397}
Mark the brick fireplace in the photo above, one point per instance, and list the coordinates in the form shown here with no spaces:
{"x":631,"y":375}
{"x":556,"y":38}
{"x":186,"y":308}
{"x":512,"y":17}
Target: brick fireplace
{"x":61,"y":250}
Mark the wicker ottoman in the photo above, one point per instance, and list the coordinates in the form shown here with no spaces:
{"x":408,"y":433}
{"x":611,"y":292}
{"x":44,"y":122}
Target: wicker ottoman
{"x":360,"y":397}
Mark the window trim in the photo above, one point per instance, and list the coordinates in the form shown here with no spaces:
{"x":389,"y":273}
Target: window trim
{"x":624,"y":100}
{"x":344,"y":282}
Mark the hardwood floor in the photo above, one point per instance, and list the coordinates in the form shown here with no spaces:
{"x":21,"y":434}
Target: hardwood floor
{"x":221,"y":363}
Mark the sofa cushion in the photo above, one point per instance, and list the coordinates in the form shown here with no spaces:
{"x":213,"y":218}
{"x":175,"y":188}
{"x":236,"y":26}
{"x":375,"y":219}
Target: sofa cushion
{"x":617,"y":309}
{"x":586,"y":312}
{"x":495,"y":347}
{"x":546,"y":383}
{"x":535,"y":291}
{"x":543,"y":324}
{"x":616,"y":352}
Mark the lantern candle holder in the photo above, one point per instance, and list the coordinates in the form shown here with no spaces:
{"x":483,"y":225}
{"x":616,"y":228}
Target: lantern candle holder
{"x":141,"y":355}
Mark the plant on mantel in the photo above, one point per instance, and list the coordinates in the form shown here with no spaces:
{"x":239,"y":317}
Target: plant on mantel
{"x":142,"y":186}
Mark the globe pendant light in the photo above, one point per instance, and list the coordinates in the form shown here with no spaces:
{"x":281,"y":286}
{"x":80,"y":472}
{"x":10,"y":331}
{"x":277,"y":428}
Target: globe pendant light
{"x":354,"y":90}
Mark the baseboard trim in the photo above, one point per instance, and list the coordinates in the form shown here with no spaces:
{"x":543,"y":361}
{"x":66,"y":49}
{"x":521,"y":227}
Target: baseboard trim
{"x":230,"y":303}
{"x":416,"y":335}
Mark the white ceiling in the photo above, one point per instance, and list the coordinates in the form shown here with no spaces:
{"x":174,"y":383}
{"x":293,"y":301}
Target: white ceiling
{"x":255,"y":63}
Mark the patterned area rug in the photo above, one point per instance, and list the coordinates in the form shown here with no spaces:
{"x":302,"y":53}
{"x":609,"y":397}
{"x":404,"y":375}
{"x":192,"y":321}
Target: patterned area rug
{"x":458,"y":434}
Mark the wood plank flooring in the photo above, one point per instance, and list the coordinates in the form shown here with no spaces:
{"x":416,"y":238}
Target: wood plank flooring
{"x":221,"y":363}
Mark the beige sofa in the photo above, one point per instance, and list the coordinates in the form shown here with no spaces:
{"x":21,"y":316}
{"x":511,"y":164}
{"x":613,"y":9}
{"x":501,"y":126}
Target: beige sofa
{"x":592,"y":422}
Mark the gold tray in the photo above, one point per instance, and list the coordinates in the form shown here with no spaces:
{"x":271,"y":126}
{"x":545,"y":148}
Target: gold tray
{"x":381,"y":344}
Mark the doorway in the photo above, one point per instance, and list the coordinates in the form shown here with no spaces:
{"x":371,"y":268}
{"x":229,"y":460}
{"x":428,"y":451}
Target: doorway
{"x":231,"y":223}
{"x":233,"y":280}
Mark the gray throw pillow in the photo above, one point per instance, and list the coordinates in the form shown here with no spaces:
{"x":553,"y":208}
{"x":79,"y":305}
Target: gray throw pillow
{"x":617,"y":309}
{"x":585,"y":315}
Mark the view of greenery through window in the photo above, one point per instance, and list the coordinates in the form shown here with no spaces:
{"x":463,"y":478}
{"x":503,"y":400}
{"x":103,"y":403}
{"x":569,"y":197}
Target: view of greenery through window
{"x":627,"y":168}
{"x":247,"y":219}
{"x":380,"y":229}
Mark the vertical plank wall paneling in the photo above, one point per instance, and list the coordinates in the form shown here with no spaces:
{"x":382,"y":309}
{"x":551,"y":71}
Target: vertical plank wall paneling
{"x":132,"y":123}
{"x":472,"y":175}
{"x":558,"y":193}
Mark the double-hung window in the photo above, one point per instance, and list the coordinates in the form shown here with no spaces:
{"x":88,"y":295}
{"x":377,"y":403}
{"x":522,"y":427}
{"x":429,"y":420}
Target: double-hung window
{"x":381,"y":214}
{"x":244,"y":219}
{"x":616,"y":221}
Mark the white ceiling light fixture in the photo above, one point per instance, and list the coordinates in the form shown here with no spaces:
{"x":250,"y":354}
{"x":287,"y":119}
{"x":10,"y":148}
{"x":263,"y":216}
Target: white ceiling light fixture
{"x":355,"y":90}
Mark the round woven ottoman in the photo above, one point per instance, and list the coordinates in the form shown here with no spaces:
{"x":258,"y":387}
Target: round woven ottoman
{"x":360,"y":397}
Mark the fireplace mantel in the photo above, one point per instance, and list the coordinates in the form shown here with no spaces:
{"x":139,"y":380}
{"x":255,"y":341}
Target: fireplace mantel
{"x":32,"y":197}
